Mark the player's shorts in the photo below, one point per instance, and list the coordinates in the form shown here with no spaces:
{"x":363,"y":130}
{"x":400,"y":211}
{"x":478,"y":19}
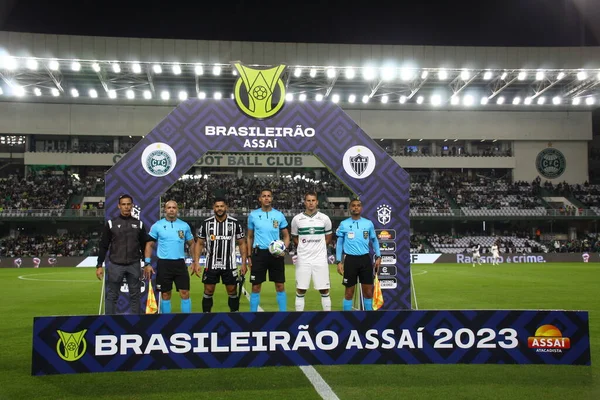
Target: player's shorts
{"x":476,"y":255}
{"x":169,"y":271}
{"x":213,"y":276}
{"x":360,"y":267}
{"x":496,"y":254}
{"x":263,"y":262}
{"x":318,"y":272}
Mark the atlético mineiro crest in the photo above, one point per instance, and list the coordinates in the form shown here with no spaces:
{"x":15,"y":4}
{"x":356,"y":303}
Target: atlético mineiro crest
{"x":359,"y":164}
{"x":384,"y":214}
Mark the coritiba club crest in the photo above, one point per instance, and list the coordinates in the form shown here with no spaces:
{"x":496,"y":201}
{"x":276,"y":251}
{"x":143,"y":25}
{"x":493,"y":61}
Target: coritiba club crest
{"x":259,"y":93}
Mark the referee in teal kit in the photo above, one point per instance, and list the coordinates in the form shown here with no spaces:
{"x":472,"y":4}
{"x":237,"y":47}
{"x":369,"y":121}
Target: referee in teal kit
{"x":354,"y":235}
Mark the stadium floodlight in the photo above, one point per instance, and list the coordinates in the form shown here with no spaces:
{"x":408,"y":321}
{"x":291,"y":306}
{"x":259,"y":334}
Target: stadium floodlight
{"x":424,"y":74}
{"x":365,"y":99}
{"x":165,"y":95}
{"x":319,"y":97}
{"x":527,"y":101}
{"x":218,"y":95}
{"x":37,"y":91}
{"x":116,"y":68}
{"x":1,"y":91}
{"x":351,"y":98}
{"x":176,"y":68}
{"x":32,"y":64}
{"x":201,"y":95}
{"x":369,"y":73}
{"x":55,"y":92}
{"x":136,"y":68}
{"x":503,"y":76}
{"x":581,"y":75}
{"x":289,"y":97}
{"x":313,"y":72}
{"x":157,"y":69}
{"x":74,"y":92}
{"x":522,"y":75}
{"x":302,"y":97}
{"x":500,"y":100}
{"x":19,"y":91}
{"x":53,"y":65}
{"x":539,"y":75}
{"x":93,"y":94}
{"x":556,"y":100}
{"x":598,"y":77}
{"x":454,"y":100}
{"x":516,"y":100}
{"x":298,"y":72}
{"x":96,"y":67}
{"x":350,"y":73}
{"x":130,"y":94}
{"x":183,"y":95}
{"x":576,"y":101}
{"x":442,"y":74}
{"x":560,"y":76}
{"x":335,"y":98}
{"x":420,"y":100}
{"x":75,"y":66}
{"x":147,"y":94}
{"x":541,"y":100}
{"x":468,"y":100}
{"x":488,"y":75}
{"x":216,"y":70}
{"x":234,"y":72}
{"x":330,"y":73}
{"x":402,"y":99}
{"x":590,"y":101}
{"x":465,"y":75}
{"x":436,"y":100}
{"x":199,"y":70}
{"x":384,"y":99}
{"x":484,"y":100}
{"x":9,"y":63}
{"x":406,"y":74}
{"x":112,"y":94}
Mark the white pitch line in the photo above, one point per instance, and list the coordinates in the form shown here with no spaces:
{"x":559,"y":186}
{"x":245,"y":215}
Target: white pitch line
{"x":315,"y":379}
{"x":412,"y":284}
{"x":26,"y":278}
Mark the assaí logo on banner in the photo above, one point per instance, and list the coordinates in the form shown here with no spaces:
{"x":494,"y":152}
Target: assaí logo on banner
{"x":548,"y":339}
{"x":71,"y":346}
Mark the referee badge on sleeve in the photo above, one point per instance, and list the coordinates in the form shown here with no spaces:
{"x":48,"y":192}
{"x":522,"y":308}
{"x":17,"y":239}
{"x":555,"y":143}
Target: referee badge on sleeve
{"x":275,"y":224}
{"x":181,"y":235}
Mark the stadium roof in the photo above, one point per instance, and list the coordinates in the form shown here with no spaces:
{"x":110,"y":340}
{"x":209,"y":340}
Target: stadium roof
{"x":100,"y":70}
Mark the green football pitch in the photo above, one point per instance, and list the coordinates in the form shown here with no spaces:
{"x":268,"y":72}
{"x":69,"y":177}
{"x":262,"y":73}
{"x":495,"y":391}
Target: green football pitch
{"x":75,"y":291}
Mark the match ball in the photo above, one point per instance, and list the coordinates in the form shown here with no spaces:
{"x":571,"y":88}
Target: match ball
{"x":277,"y":247}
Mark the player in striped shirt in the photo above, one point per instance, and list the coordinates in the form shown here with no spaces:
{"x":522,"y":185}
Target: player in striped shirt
{"x":311,"y":232}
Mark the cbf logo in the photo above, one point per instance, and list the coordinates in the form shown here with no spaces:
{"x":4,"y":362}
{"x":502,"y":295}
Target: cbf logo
{"x":71,"y":346}
{"x":551,"y":163}
{"x":159,"y":159}
{"x":359,"y":162}
{"x":259,"y":93}
{"x":384,"y":214}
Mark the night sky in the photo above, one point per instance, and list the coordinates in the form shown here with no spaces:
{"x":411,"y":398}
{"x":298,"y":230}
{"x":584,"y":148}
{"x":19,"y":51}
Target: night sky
{"x":419,"y":22}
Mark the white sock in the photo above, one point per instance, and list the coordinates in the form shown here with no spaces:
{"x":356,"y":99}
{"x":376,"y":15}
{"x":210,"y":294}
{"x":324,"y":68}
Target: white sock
{"x":326,"y":302}
{"x":299,"y":302}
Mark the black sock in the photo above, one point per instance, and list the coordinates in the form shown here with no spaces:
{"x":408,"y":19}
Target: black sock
{"x":234,"y":303}
{"x":207,"y":302}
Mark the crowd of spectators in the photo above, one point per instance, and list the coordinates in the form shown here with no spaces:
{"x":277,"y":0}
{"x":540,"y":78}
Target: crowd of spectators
{"x":71,"y":245}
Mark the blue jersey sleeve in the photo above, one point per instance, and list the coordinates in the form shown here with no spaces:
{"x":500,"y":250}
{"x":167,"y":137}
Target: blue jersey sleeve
{"x":188,"y":233}
{"x":153,"y":232}
{"x":282,"y":221}
{"x":374,"y":240}
{"x":251,"y":222}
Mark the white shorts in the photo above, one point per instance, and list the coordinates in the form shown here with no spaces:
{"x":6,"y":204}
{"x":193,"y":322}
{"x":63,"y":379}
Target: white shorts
{"x":496,"y":254}
{"x":318,"y":273}
{"x":476,"y":255}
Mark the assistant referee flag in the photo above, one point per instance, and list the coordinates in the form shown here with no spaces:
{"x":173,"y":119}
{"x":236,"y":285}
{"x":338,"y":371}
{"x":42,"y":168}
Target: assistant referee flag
{"x":151,"y":305}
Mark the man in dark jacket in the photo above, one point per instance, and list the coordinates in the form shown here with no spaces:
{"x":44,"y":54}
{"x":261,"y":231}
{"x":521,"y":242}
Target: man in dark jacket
{"x":126,"y":237}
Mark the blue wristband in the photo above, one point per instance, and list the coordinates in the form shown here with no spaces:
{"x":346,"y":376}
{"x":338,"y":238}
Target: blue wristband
{"x":147,"y":260}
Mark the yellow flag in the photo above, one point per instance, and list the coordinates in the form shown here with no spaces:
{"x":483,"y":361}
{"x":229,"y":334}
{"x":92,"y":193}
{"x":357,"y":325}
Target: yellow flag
{"x":377,"y":295}
{"x":151,"y":306}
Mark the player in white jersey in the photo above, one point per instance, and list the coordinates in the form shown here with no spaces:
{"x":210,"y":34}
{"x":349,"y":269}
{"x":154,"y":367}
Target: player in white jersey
{"x":476,"y":254}
{"x":495,"y":254}
{"x":312,"y":232}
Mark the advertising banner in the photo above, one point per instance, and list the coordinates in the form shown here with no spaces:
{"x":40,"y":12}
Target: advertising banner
{"x":80,"y":344}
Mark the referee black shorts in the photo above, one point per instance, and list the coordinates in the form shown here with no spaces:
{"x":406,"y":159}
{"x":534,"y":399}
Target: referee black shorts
{"x":359,"y":267}
{"x":169,"y":271}
{"x":263,"y":261}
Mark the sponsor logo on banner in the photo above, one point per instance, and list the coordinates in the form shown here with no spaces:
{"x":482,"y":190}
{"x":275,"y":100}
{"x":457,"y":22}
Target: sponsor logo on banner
{"x":71,"y":346}
{"x":424,"y":258}
{"x":385,"y":234}
{"x":359,"y":162}
{"x":387,"y":246}
{"x":259,"y":92}
{"x":388,"y":283}
{"x":548,"y":339}
{"x":387,"y":270}
{"x":384,"y":214}
{"x":515,"y":259}
{"x":551,"y":163}
{"x":389,"y":259}
{"x":159,"y":159}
